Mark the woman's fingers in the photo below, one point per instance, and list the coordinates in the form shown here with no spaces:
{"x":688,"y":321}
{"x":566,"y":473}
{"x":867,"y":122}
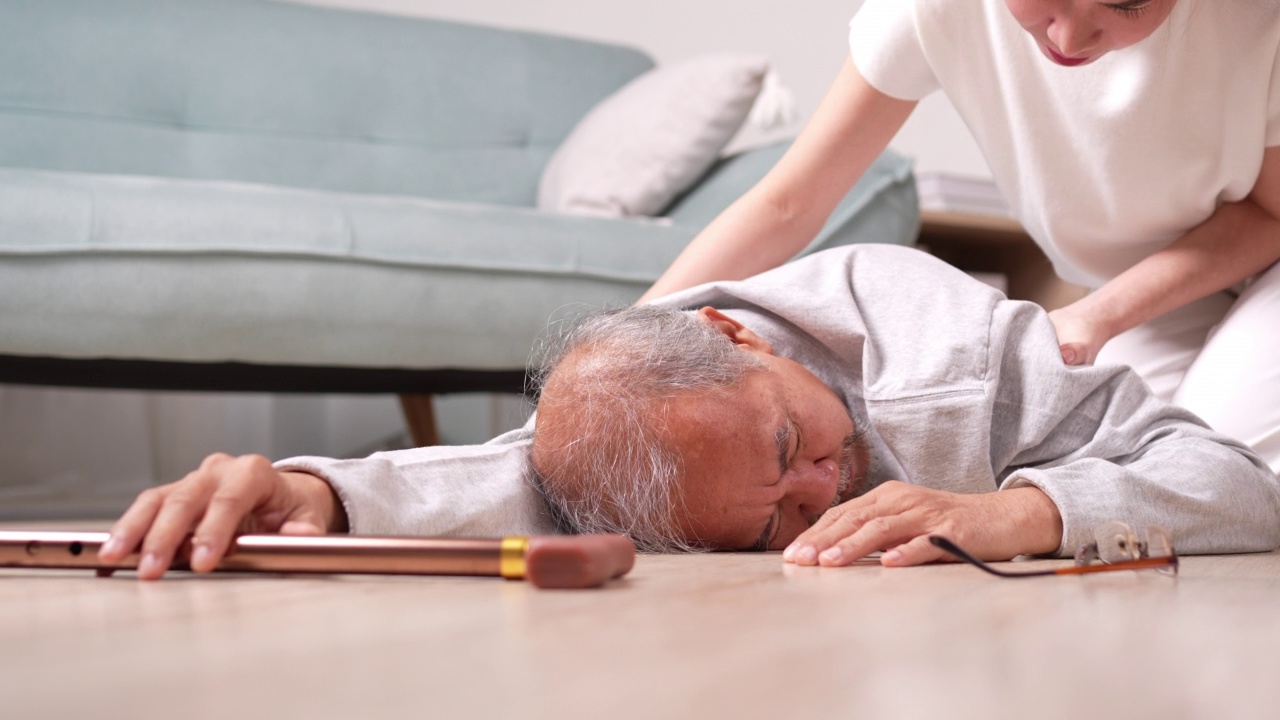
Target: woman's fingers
{"x":1071,"y":354}
{"x":1080,"y":337}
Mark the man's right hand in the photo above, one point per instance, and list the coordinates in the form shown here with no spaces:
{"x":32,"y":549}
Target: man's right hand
{"x":226,"y":495}
{"x":898,"y":519}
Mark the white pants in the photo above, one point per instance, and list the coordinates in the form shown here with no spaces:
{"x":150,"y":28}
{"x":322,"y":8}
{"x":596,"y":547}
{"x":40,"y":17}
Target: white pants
{"x":1219,"y":358}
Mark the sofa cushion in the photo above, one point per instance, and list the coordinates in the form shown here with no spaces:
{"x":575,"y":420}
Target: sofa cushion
{"x":135,"y":268}
{"x":648,"y":142}
{"x":164,"y":269}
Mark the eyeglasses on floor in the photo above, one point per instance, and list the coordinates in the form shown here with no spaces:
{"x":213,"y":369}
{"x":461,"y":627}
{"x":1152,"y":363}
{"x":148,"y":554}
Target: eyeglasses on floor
{"x":1115,"y":547}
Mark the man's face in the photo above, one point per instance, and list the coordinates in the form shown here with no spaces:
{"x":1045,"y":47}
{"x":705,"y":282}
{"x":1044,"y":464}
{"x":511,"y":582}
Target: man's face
{"x":764,"y":459}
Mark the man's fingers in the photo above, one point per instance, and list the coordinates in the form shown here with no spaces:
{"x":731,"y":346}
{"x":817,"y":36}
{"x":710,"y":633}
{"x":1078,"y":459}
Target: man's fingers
{"x":875,"y":534}
{"x":224,"y":496}
{"x":902,"y":517}
{"x":837,"y":523}
{"x":302,"y":527}
{"x":129,"y":530}
{"x":183,"y":506}
{"x":177,"y":516}
{"x":844,"y":520}
{"x":247,"y":482}
{"x":892,"y":514}
{"x":850,"y":537}
{"x":916,"y":552}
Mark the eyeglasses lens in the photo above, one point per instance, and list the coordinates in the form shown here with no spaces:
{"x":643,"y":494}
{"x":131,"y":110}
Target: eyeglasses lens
{"x":1160,"y":546}
{"x":1117,"y":543}
{"x":1158,"y":543}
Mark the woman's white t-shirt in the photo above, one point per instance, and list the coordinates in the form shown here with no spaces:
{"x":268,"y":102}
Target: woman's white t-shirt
{"x":1106,"y":163}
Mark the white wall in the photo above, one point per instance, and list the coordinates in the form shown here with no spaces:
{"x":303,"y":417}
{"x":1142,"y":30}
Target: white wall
{"x":805,"y":38}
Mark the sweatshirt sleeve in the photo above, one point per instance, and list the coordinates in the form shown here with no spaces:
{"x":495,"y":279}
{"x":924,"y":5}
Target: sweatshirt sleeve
{"x":458,"y":491}
{"x":1103,"y":448}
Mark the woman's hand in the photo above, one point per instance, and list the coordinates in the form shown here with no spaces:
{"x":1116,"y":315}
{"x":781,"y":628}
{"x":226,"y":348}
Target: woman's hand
{"x":224,"y":496}
{"x":899,"y":518}
{"x":1080,"y":336}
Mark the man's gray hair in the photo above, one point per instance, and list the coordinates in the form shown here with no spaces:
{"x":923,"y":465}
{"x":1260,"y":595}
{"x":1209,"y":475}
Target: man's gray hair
{"x":601,"y":455}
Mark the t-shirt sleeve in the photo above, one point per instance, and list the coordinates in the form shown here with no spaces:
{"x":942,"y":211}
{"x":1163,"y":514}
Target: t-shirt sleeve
{"x":884,"y":43}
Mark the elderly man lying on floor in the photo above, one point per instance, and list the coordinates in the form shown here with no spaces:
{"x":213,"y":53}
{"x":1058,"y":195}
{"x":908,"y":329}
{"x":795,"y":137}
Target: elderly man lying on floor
{"x":857,"y":400}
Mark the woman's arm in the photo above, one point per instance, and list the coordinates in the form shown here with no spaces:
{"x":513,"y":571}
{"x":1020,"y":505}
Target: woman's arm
{"x":786,"y":209}
{"x":1239,"y":240}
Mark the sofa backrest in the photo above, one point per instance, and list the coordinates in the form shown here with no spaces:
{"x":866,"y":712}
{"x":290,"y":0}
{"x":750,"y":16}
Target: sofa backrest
{"x":294,"y":95}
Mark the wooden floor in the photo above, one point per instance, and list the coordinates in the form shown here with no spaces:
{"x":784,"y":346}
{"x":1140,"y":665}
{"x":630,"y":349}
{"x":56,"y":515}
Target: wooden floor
{"x":714,"y":636}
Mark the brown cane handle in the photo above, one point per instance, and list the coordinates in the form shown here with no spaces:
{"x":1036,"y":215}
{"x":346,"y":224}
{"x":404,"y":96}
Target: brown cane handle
{"x":578,"y":561}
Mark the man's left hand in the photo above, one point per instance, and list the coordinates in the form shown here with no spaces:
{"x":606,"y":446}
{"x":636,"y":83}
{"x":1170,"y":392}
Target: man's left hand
{"x":898,"y":519}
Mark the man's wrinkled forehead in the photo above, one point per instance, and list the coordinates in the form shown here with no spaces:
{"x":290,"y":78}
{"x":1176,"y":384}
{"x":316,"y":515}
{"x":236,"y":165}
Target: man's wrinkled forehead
{"x":727,"y":417}
{"x":726,"y":444}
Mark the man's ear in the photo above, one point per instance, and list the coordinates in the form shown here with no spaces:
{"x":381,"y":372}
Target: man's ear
{"x":734,"y":330}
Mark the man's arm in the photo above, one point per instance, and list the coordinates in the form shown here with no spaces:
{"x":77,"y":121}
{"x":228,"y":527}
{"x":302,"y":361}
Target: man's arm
{"x":1070,"y":449}
{"x":460,"y":491}
{"x":474,"y":491}
{"x":1102,"y":447}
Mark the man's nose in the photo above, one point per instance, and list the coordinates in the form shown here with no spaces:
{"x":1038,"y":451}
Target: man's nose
{"x":816,"y":486}
{"x":1073,"y":37}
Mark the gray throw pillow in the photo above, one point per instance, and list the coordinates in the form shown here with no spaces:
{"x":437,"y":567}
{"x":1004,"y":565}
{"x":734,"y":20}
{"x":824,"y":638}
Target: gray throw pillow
{"x":648,"y":142}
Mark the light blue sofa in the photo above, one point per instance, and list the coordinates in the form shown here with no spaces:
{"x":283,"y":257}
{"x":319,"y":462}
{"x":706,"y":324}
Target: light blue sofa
{"x":251,"y":195}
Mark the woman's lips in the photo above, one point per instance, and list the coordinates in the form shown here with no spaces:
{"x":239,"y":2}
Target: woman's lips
{"x":1063,"y":59}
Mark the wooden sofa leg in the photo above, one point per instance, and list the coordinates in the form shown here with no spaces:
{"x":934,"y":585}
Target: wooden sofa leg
{"x":420,"y":416}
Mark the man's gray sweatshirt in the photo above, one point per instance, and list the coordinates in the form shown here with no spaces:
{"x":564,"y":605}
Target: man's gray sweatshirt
{"x":960,"y":390}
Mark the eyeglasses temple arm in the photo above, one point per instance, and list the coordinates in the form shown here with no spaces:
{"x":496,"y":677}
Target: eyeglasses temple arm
{"x":954,"y":549}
